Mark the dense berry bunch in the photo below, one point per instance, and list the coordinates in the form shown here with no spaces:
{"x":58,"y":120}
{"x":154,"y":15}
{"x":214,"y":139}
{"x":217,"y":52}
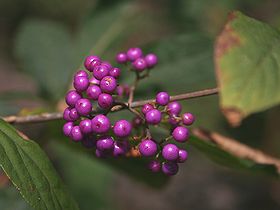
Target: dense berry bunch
{"x":97,"y":87}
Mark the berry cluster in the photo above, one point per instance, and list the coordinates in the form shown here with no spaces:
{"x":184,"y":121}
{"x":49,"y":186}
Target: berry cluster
{"x":98,"y":86}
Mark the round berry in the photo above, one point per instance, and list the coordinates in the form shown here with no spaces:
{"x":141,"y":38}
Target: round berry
{"x":148,"y":148}
{"x":100,"y":71}
{"x":139,"y":64}
{"x":105,"y":101}
{"x":74,"y":115}
{"x":100,"y":124}
{"x":83,"y":106}
{"x":120,"y":90}
{"x":76,"y":133}
{"x":115,"y":72}
{"x":146,"y":108}
{"x":162,"y":98}
{"x":173,"y":120}
{"x":89,"y":141}
{"x":122,"y":128}
{"x":154,"y":166}
{"x":153,"y":117}
{"x":94,"y":81}
{"x":120,"y":148}
{"x":180,"y":134}
{"x":105,"y":143}
{"x":183,"y":156}
{"x":121,"y":57}
{"x":91,"y":61}
{"x":106,"y":63}
{"x":134,"y":53}
{"x":81,"y":73}
{"x":170,"y":152}
{"x":85,"y":126}
{"x":67,"y":127}
{"x":66,"y":114}
{"x":72,"y":97}
{"x":174,"y":107}
{"x":188,"y":118}
{"x":151,"y":60}
{"x":108,"y":84}
{"x":170,"y":168}
{"x":93,"y":91}
{"x":81,"y":83}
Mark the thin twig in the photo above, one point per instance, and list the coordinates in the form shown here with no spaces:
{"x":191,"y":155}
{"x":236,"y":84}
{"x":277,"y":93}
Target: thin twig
{"x":119,"y":106}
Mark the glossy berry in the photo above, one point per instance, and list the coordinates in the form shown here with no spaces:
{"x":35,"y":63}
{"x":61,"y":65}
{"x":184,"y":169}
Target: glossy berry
{"x":120,"y":148}
{"x":100,"y":71}
{"x":188,"y":118}
{"x":76,"y":133}
{"x":180,"y":134}
{"x":139,"y":64}
{"x":151,"y":60}
{"x":106,"y":63}
{"x":105,"y":143}
{"x":72,"y":97}
{"x":162,"y":98}
{"x":146,"y":108}
{"x":74,"y":115}
{"x":85,"y":126}
{"x":89,"y":141}
{"x":183,"y":156}
{"x":66,"y":114}
{"x":91,"y":61}
{"x":115,"y":72}
{"x":153,"y":117}
{"x":148,"y":148}
{"x":93,"y":91}
{"x":173,"y":120}
{"x":170,"y":152}
{"x":154,"y":166}
{"x":105,"y":101}
{"x":170,"y":168}
{"x":67,"y":127}
{"x":122,"y":128}
{"x":174,"y":108}
{"x":100,"y":124}
{"x":108,"y":84}
{"x":121,"y":57}
{"x":83,"y":106}
{"x":81,"y":73}
{"x":81,"y":83}
{"x":94,"y":81}
{"x":134,"y":53}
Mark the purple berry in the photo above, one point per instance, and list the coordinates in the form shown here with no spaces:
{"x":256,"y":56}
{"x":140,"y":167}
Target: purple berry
{"x":81,"y":83}
{"x":170,"y":152}
{"x":72,"y":97}
{"x":188,"y":118}
{"x":105,"y":101}
{"x":153,"y":117}
{"x":173,"y":120}
{"x":122,"y":128}
{"x":108,"y":84}
{"x":139,"y":64}
{"x":76,"y":133}
{"x":89,"y":141}
{"x":121,"y":57}
{"x":170,"y":168}
{"x":105,"y":143}
{"x":66,"y":114}
{"x":162,"y":98}
{"x":134,"y":53}
{"x":120,"y":148}
{"x":148,"y":148}
{"x":67,"y":127}
{"x":91,"y":61}
{"x":85,"y":126}
{"x":81,"y":73}
{"x":93,"y":91}
{"x":174,"y":107}
{"x":74,"y":115}
{"x":154,"y":166}
{"x":106,"y":63}
{"x":100,"y":124}
{"x":100,"y":71}
{"x":151,"y":60}
{"x":83,"y":106}
{"x":146,"y":108}
{"x":100,"y":154}
{"x":94,"y":81}
{"x":180,"y":134}
{"x":115,"y":72}
{"x":183,"y":156}
{"x":120,"y":90}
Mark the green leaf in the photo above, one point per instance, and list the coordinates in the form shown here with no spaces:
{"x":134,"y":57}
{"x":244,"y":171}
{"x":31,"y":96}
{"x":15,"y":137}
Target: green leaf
{"x":247,"y":55}
{"x":226,"y":159}
{"x":31,"y":172}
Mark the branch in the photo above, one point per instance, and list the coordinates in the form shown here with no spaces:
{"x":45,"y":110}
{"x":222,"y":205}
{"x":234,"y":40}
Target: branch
{"x":58,"y":115}
{"x":236,"y":148}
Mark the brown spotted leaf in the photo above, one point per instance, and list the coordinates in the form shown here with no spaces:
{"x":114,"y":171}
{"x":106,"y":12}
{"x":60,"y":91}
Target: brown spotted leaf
{"x":247,"y":59}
